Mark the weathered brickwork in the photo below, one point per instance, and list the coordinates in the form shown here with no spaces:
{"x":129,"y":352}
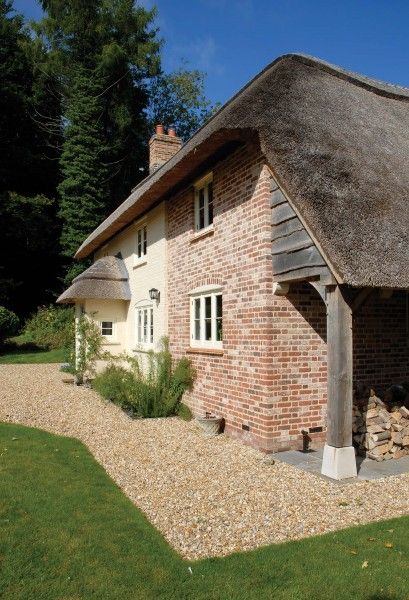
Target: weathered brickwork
{"x":161,"y":148}
{"x":381,"y":341}
{"x":270,"y":380}
{"x":270,"y":377}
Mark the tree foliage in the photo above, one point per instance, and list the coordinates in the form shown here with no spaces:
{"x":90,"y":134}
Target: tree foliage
{"x":79,"y":94}
{"x":116,"y":42}
{"x":83,"y":186}
{"x":179,"y":99}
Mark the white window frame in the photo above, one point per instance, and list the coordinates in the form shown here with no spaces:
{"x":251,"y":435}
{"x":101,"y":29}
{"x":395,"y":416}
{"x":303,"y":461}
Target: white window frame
{"x":141,"y":243}
{"x":203,"y":184}
{"x":107,"y":336}
{"x":200,"y":296}
{"x":144,"y":325}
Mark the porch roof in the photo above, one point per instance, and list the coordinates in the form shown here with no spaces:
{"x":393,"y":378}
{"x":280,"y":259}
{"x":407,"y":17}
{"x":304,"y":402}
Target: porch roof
{"x":105,"y":279}
{"x":338,"y":145}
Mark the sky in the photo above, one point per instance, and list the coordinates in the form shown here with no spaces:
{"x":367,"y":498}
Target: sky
{"x":233,"y":40}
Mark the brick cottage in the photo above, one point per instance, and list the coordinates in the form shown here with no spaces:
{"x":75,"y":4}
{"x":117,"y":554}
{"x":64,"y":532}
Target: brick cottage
{"x":272,"y":248}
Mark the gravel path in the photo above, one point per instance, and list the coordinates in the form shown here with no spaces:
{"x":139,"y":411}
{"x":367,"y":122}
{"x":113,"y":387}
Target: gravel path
{"x":208,"y":497}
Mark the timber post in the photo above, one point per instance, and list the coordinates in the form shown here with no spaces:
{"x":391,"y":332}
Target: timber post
{"x":339,"y":455}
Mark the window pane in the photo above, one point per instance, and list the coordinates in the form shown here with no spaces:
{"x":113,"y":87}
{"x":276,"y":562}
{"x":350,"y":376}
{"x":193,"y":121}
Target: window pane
{"x":219,"y":318}
{"x":139,"y":243}
{"x":145,"y":325}
{"x":208,"y":318}
{"x":219,"y":306}
{"x":208,"y":307}
{"x":197,"y":319}
{"x":210,"y":201}
{"x":201,"y":199}
{"x":106,"y":327}
{"x":139,"y":326}
{"x":151,"y":326}
{"x":197,"y":308}
{"x":145,"y":241}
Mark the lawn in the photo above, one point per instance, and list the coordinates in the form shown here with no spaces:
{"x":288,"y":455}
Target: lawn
{"x":20,"y":350}
{"x":68,"y":532}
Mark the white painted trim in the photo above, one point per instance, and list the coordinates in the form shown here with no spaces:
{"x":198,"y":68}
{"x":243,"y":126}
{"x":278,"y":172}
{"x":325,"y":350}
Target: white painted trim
{"x":204,"y":289}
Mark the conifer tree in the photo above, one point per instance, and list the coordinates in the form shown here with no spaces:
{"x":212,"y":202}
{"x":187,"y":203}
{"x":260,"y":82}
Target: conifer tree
{"x":84,"y":175}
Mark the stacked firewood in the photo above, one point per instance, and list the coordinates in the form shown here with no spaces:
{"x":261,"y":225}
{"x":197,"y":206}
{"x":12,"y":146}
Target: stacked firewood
{"x":380,"y":431}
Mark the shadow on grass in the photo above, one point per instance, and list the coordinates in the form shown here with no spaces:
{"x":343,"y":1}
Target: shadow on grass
{"x":20,"y":350}
{"x":11,"y":347}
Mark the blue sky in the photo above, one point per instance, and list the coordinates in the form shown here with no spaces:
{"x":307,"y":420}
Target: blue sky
{"x":232,"y":40}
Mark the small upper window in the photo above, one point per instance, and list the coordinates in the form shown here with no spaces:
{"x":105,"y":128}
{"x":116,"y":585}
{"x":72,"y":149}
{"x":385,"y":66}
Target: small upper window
{"x":141,"y":242}
{"x":107,"y":328}
{"x":204,"y":203}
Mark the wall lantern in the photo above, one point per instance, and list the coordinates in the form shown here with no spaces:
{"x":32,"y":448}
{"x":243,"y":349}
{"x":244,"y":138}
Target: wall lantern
{"x":154,"y":294}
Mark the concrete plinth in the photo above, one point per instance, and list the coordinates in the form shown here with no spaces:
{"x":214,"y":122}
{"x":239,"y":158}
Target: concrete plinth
{"x":339,"y":463}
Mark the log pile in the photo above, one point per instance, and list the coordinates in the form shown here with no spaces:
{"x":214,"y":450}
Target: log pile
{"x":380,"y":431}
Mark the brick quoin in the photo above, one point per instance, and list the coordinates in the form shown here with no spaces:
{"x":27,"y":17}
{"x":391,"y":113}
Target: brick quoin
{"x":272,"y":374}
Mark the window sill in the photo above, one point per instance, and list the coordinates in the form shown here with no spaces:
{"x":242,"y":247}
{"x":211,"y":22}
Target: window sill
{"x":140,"y":263}
{"x":213,"y":351}
{"x":108,"y":343}
{"x":144,"y":350}
{"x":202,"y":233}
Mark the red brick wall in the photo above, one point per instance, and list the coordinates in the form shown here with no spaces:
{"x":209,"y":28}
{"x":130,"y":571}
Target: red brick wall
{"x":237,"y":384}
{"x":272,"y":375}
{"x":161,"y":148}
{"x":381,"y":342}
{"x":267,"y":342}
{"x":300,"y":364}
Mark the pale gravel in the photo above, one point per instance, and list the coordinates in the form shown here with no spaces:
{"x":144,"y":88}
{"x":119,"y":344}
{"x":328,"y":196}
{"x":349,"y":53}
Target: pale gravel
{"x":208,"y":497}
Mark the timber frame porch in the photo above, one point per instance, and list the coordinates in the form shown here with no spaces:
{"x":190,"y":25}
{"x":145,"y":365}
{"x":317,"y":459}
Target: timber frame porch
{"x":296,"y":257}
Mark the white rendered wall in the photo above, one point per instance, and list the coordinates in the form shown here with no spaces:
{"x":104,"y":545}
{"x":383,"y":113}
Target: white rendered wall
{"x":144,"y":274}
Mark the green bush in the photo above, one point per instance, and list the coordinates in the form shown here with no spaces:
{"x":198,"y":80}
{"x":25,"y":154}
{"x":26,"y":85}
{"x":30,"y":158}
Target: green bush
{"x":51,"y":327}
{"x":184,"y":412}
{"x":151,"y":391}
{"x":9,"y":323}
{"x":115,"y":384}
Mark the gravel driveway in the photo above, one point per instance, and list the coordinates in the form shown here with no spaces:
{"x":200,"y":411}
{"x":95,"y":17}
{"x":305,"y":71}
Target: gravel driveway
{"x":208,"y":497}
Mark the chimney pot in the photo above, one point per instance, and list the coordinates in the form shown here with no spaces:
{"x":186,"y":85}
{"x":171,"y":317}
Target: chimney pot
{"x":162,"y":147}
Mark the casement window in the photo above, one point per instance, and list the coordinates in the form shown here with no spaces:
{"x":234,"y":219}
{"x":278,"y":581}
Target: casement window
{"x":206,"y":319}
{"x":141,"y":243}
{"x":144,"y":325}
{"x":107,"y":328}
{"x":204,"y":203}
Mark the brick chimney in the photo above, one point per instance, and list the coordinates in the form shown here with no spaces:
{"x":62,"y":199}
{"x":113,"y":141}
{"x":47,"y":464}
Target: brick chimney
{"x":162,"y":146}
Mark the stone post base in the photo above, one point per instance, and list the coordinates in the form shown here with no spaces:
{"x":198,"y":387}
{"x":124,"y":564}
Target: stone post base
{"x":339,"y":463}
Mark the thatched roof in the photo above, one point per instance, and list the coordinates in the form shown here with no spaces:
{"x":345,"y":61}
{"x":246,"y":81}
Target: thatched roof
{"x":105,"y":279}
{"x":338,"y":145}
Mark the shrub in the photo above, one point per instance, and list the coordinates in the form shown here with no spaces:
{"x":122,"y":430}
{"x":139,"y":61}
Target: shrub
{"x":184,"y":412}
{"x":51,"y":327}
{"x":151,"y":391}
{"x":115,"y":384}
{"x":9,"y":323}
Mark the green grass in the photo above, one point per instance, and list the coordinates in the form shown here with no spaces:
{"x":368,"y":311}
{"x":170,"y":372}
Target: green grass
{"x":20,"y":350}
{"x":67,"y":532}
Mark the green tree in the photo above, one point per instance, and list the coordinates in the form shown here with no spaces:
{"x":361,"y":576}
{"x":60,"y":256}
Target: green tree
{"x":83,"y":186}
{"x":28,"y":249}
{"x":116,"y":42}
{"x":179,"y":99}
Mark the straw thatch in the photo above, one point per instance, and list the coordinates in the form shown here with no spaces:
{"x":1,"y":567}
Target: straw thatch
{"x":106,"y":279}
{"x":338,"y":145}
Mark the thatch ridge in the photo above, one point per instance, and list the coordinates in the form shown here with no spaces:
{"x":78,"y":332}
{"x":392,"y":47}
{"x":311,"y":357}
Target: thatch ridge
{"x":338,"y":144}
